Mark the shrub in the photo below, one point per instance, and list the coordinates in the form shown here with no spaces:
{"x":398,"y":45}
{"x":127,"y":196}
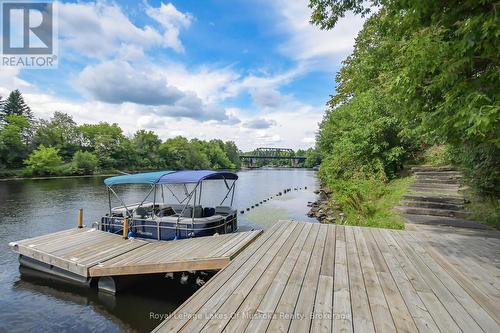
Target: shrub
{"x":43,"y":161}
{"x":480,"y":164}
{"x":84,"y":162}
{"x":438,"y":155}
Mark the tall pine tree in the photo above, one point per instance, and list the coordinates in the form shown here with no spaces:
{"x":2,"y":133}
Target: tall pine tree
{"x":15,"y":105}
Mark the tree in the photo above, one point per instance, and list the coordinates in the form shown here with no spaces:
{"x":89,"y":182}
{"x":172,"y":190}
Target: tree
{"x":108,"y":143}
{"x":431,"y":67}
{"x":15,"y":105}
{"x":216,"y":155}
{"x":146,"y":145}
{"x":13,"y":149}
{"x":313,"y":158}
{"x":85,"y":162}
{"x":179,"y":153}
{"x":59,"y":132}
{"x":231,"y":150}
{"x":44,"y":161}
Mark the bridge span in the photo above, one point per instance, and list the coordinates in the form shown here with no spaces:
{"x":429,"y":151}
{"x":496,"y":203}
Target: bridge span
{"x":252,"y":159}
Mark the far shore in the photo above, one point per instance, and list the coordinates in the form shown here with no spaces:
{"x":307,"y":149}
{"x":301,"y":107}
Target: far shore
{"x":59,"y":177}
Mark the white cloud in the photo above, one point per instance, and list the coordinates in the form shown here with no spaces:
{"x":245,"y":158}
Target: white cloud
{"x":172,"y":21}
{"x":259,"y":123}
{"x":308,"y":140}
{"x":211,"y":84}
{"x":9,"y":80}
{"x":117,"y":82}
{"x":101,"y":30}
{"x":268,"y":139}
{"x":310,"y":44}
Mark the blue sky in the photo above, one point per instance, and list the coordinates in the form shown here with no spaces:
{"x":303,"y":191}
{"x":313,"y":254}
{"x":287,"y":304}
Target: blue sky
{"x":255,"y":72}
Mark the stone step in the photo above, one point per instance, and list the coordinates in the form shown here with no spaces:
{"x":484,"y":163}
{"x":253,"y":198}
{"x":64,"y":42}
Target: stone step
{"x":434,"y":192}
{"x":432,"y":212}
{"x":457,"y":200}
{"x":439,"y":174}
{"x":437,"y":187}
{"x":431,"y":204}
{"x":440,"y":179}
{"x":443,"y":221}
{"x":422,"y":180}
{"x":424,"y":168}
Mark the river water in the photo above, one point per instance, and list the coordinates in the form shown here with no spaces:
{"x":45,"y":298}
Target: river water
{"x":30,"y":302}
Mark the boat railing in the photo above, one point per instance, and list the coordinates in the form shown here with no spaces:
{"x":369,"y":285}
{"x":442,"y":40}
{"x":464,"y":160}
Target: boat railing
{"x":117,"y":222}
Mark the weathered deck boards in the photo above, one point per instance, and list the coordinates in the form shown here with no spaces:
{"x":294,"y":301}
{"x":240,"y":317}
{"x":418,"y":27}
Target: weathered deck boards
{"x":301,"y":277}
{"x":92,"y":253}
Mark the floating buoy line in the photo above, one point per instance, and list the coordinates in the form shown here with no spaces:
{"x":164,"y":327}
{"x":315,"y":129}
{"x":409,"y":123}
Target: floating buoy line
{"x":285,"y":191}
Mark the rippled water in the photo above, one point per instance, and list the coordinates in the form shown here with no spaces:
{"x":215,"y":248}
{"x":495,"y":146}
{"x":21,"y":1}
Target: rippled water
{"x":31,"y":302}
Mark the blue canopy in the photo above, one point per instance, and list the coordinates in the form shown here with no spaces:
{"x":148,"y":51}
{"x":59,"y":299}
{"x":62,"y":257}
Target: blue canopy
{"x":195,"y":176}
{"x":137,"y":178}
{"x":170,"y":177}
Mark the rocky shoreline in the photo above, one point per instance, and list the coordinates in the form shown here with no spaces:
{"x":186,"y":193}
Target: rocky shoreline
{"x":321,"y":208}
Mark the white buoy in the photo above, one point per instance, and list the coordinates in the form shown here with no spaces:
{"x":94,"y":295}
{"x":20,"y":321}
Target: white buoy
{"x":184,"y":278}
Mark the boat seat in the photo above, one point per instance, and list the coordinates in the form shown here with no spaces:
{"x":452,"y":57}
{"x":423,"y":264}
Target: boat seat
{"x":208,"y":211}
{"x":140,"y":212}
{"x":223,"y":210}
{"x":188,"y":212}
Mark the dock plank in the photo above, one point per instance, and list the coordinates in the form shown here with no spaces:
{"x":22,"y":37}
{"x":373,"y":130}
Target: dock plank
{"x":380,"y":280}
{"x":382,"y":318}
{"x":361,"y":314}
{"x":88,"y":252}
{"x":460,"y":315}
{"x":342,"y":320}
{"x":186,"y":313}
{"x":245,"y":305}
{"x":272,"y":297}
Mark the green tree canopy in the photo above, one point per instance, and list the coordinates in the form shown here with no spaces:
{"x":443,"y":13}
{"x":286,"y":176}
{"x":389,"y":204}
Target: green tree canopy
{"x":58,"y":132}
{"x":13,"y":149}
{"x":85,"y":162}
{"x":108,"y":143}
{"x":14,"y":105}
{"x":147,"y":146}
{"x":430,"y":71}
{"x":179,"y":153}
{"x":44,"y":161}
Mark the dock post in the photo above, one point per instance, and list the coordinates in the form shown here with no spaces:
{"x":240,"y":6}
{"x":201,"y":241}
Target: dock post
{"x":80,"y":218}
{"x":125,"y":228}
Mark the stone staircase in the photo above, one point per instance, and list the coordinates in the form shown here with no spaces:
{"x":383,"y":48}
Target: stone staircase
{"x":436,"y":199}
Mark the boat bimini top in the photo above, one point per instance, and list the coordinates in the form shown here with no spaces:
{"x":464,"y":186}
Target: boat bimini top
{"x":167,"y":178}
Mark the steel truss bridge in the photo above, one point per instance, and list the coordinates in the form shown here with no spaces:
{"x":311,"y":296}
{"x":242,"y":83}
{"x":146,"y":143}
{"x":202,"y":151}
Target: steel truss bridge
{"x":268,"y":154}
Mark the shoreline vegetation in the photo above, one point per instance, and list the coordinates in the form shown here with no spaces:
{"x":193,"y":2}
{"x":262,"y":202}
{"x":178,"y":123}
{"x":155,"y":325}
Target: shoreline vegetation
{"x":420,"y":87}
{"x":31,"y":147}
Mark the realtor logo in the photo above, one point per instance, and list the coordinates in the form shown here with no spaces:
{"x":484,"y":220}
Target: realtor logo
{"x":28,"y":34}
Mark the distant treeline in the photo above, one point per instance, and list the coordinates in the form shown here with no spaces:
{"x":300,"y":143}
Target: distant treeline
{"x":39,"y":147}
{"x":59,"y":146}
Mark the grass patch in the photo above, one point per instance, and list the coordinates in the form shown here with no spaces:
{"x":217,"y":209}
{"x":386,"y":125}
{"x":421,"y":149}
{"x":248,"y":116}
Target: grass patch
{"x":381,"y":213}
{"x":483,"y":209}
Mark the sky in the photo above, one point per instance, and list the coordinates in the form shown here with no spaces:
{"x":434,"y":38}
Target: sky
{"x":254,"y":72}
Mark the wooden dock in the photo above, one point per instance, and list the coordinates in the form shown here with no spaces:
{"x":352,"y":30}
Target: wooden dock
{"x":92,"y":253}
{"x":301,"y":277}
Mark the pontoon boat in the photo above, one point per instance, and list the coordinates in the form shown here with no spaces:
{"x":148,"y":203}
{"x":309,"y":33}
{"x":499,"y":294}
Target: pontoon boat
{"x":154,"y":218}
